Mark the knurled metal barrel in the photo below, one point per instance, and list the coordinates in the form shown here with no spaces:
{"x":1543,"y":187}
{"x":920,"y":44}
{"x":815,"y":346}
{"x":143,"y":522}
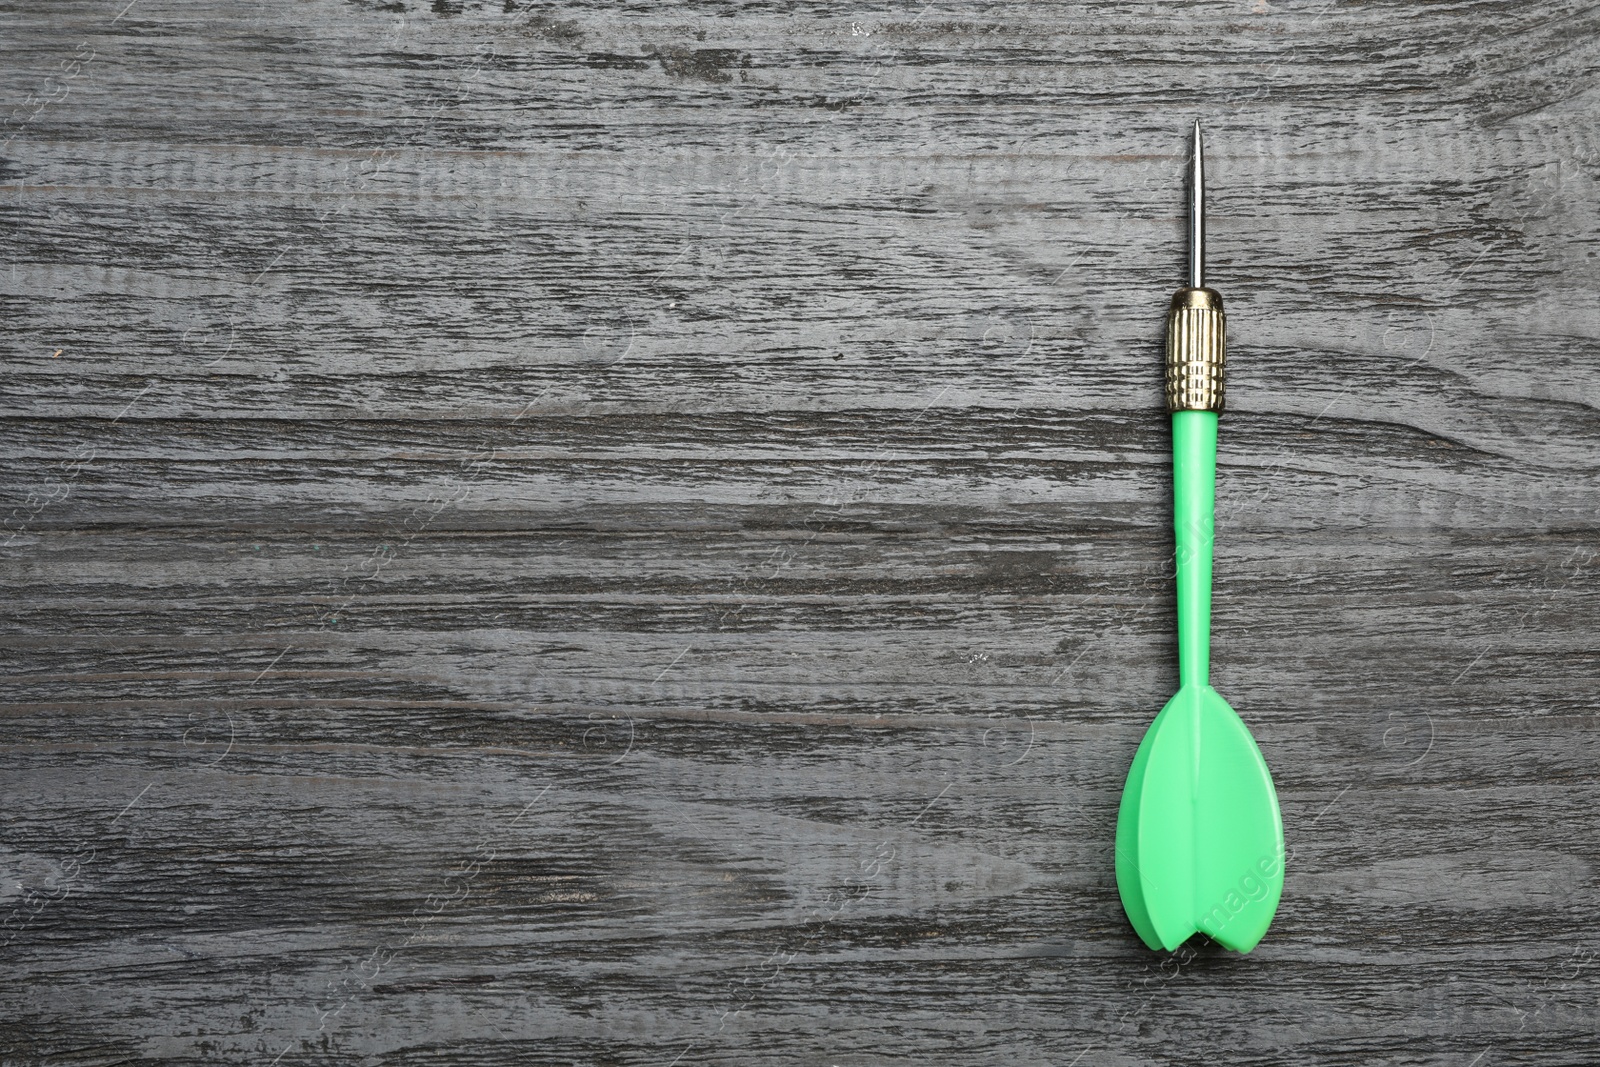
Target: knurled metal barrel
{"x":1195,"y":351}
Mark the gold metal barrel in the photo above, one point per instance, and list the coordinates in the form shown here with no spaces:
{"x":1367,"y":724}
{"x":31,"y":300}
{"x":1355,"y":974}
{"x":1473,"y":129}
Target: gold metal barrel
{"x":1195,"y":351}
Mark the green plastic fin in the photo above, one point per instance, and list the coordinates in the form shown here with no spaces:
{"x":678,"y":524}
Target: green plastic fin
{"x":1199,"y":835}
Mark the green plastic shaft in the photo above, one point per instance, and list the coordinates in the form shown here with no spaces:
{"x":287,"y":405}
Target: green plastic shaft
{"x":1194,"y":487}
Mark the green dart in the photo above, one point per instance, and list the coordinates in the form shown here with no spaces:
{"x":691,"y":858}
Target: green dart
{"x":1199,"y":836}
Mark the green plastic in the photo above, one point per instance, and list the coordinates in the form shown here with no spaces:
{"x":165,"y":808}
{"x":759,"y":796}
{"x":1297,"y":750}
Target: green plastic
{"x":1199,"y":834}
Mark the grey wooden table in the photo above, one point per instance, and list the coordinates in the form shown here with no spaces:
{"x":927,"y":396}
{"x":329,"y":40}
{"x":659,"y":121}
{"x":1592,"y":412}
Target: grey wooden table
{"x":583,"y":535}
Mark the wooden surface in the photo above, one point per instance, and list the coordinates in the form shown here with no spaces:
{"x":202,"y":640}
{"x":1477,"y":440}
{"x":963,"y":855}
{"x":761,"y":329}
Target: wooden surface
{"x":574,"y":535}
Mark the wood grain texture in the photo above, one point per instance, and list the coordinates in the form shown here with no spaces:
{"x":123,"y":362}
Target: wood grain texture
{"x":599,"y":535}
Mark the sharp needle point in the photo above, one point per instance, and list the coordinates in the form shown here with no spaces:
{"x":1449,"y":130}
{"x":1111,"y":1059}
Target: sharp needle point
{"x":1197,"y":207}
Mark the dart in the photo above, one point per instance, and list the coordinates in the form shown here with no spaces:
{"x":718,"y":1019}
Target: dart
{"x":1199,"y":844}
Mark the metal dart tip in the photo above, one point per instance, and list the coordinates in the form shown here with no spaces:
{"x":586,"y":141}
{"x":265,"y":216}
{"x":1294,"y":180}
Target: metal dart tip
{"x":1195,"y":321}
{"x":1197,"y":213}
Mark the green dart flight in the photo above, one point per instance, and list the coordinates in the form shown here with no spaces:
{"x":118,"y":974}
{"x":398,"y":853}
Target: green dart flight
{"x":1199,"y":835}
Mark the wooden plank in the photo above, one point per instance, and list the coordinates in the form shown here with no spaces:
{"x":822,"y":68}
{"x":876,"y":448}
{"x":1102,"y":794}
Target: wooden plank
{"x":579,"y":536}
